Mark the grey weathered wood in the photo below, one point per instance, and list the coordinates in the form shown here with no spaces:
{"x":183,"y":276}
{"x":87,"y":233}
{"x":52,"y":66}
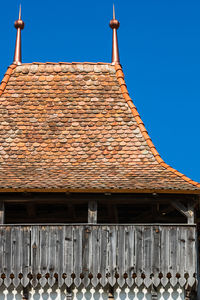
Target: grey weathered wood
{"x":174,"y":254}
{"x":95,"y":254}
{"x":139,"y":253}
{"x":79,"y":246}
{"x":92,"y":212}
{"x":164,"y":253}
{"x":26,"y":237}
{"x":147,"y":257}
{"x":86,"y":254}
{"x":113,"y":254}
{"x":68,"y":266}
{"x":51,"y":258}
{"x":122,"y":232}
{"x":103,"y":263}
{"x":71,"y":251}
{"x":60,"y":255}
{"x":130,"y":254}
{"x":16,"y":258}
{"x":7,"y":255}
{"x":2,"y":212}
{"x":35,"y":253}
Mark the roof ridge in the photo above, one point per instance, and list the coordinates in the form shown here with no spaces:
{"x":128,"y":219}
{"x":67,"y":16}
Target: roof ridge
{"x":66,"y":63}
{"x":6,"y":78}
{"x":125,"y":93}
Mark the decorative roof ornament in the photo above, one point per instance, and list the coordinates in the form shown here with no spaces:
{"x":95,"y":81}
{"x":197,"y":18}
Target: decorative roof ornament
{"x":114,"y":25}
{"x":19,"y":25}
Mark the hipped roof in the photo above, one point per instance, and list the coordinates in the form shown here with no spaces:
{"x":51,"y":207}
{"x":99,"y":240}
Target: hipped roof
{"x":73,"y":127}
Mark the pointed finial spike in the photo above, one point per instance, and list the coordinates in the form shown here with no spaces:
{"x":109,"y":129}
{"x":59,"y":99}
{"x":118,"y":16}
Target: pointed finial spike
{"x":19,"y":25}
{"x":20,"y":11}
{"x":114,"y":25}
{"x":113,"y":11}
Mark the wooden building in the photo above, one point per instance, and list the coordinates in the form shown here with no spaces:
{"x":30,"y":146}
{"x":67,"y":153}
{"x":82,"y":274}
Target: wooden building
{"x":89,"y":210}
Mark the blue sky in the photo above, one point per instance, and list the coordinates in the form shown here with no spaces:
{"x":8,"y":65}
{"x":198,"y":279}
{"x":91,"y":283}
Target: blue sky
{"x":159,"y":44}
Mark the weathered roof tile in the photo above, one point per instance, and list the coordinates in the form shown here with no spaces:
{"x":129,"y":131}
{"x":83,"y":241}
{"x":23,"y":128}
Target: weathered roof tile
{"x":74,"y":127}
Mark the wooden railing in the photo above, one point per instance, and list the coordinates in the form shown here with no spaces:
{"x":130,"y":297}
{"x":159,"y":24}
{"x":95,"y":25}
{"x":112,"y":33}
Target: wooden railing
{"x":75,"y":254}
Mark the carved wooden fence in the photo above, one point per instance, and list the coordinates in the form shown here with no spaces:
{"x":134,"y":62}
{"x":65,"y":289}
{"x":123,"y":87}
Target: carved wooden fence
{"x":98,"y":254}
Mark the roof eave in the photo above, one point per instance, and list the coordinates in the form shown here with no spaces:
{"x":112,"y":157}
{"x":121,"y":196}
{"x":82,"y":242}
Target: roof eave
{"x":95,"y":191}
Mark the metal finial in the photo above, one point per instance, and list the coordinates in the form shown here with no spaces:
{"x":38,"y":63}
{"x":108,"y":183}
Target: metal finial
{"x":20,"y":12}
{"x":19,"y":25}
{"x":114,"y":25}
{"x":113,"y":11}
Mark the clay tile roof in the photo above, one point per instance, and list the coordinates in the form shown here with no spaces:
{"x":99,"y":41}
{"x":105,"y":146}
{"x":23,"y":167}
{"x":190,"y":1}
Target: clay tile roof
{"x":73,"y":127}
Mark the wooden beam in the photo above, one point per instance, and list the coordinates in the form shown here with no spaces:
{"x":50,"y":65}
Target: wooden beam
{"x":2,"y":212}
{"x":188,"y":211}
{"x":92,"y":212}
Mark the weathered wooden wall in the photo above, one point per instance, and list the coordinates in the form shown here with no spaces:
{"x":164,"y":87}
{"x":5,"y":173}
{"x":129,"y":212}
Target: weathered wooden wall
{"x":131,"y":254}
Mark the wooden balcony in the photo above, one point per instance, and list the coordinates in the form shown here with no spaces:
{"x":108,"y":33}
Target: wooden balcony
{"x":105,"y":254}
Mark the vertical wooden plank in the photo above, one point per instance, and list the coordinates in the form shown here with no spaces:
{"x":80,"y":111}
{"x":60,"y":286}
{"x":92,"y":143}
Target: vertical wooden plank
{"x":45,"y":251}
{"x":95,"y":253}
{"x":35,"y":253}
{"x":2,"y":247}
{"x":16,"y":250}
{"x":60,"y":254}
{"x":156,"y":253}
{"x":87,"y":253}
{"x":165,"y":252}
{"x":174,"y":253}
{"x":147,"y":250}
{"x":78,"y":253}
{"x":2,"y":212}
{"x":7,"y":255}
{"x":113,"y":253}
{"x":26,"y":237}
{"x":51,"y":260}
{"x":92,"y":211}
{"x":191,"y":254}
{"x":183,"y":258}
{"x":130,"y":259}
{"x":104,"y":250}
{"x":139,"y":253}
{"x":68,"y":267}
{"x":122,"y":232}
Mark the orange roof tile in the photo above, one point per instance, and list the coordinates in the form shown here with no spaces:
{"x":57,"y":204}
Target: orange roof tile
{"x":74,"y":127}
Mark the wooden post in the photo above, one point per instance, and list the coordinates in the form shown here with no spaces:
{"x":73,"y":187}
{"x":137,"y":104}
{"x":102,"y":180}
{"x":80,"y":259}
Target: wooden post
{"x":92,"y":212}
{"x":190,"y":218}
{"x":2,"y":212}
{"x":188,"y":211}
